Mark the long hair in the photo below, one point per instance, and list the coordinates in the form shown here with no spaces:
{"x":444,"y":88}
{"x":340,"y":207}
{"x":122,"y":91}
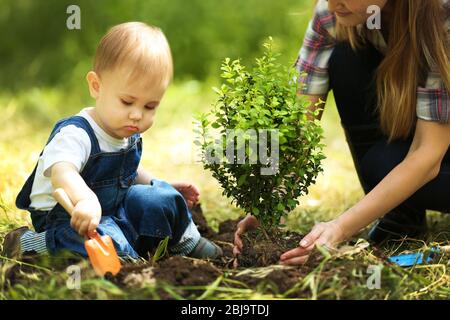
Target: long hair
{"x":418,"y":43}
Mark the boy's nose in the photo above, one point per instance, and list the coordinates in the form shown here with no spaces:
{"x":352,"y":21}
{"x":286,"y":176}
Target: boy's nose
{"x":135,"y":115}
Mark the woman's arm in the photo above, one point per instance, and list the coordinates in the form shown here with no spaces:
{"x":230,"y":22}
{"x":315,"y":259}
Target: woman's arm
{"x":421,"y":165}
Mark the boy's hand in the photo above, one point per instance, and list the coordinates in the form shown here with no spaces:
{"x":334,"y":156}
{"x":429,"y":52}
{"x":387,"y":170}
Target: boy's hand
{"x":86,"y":216}
{"x":328,"y":234}
{"x":190,"y":192}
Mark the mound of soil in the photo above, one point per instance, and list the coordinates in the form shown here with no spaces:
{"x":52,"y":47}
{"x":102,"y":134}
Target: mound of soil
{"x":261,"y":250}
{"x":182,"y":271}
{"x":258,"y":263}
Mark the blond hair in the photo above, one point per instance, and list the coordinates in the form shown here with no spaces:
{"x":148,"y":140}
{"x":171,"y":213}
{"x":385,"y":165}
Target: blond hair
{"x":418,"y":43}
{"x":141,"y":50}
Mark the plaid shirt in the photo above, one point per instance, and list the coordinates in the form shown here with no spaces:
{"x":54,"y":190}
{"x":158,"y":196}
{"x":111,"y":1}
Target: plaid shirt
{"x":320,"y":38}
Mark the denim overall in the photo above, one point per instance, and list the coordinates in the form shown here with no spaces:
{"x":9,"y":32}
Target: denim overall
{"x":352,"y":78}
{"x":136,"y":217}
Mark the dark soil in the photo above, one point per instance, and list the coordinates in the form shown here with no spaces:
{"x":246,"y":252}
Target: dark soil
{"x":278,"y":281}
{"x":260,"y":250}
{"x":257,"y":265}
{"x":176,"y":272}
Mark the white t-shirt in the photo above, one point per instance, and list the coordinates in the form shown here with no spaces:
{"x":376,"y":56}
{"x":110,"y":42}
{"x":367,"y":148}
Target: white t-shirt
{"x":70,"y":144}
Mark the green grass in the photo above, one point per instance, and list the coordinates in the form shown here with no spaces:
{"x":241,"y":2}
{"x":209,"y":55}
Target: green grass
{"x":170,"y":155}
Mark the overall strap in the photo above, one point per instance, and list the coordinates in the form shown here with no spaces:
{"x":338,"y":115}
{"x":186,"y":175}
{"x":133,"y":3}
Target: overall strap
{"x":79,"y":122}
{"x":23,"y":198}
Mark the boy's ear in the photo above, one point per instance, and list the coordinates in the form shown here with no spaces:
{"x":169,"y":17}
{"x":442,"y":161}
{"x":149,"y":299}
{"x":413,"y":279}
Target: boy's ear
{"x":94,"y":84}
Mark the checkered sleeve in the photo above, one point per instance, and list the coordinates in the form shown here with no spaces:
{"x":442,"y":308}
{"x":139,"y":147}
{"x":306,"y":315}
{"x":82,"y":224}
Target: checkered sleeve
{"x":433,"y":99}
{"x":314,"y":55}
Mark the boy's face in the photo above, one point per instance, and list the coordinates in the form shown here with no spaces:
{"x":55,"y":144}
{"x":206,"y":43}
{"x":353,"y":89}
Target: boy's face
{"x":123,"y":108}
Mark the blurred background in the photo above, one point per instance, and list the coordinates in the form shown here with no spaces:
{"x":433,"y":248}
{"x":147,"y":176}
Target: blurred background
{"x":40,"y":51}
{"x":42,"y":78}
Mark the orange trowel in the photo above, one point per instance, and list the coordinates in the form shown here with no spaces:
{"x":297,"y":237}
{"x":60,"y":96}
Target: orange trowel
{"x":100,"y":249}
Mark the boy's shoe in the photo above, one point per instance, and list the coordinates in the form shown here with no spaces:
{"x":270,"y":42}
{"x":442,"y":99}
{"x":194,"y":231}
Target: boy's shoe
{"x":11,"y":243}
{"x":398,"y":225}
{"x":206,"y":249}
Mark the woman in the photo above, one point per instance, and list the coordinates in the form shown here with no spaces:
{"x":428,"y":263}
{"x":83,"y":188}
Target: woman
{"x":391,"y":87}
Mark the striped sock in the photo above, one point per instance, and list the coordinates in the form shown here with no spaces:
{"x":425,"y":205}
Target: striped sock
{"x":33,"y":241}
{"x":188,"y":241}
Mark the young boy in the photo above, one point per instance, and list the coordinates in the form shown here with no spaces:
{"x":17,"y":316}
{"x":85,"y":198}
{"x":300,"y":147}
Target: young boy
{"x":94,"y":156}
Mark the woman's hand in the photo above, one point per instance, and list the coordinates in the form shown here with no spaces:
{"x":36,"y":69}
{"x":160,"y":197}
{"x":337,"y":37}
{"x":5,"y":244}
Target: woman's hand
{"x":248,"y":223}
{"x":190,"y":192}
{"x":328,"y":234}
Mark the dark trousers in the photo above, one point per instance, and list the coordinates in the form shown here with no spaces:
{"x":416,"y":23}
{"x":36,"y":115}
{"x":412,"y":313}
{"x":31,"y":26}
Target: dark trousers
{"x":352,"y":81}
